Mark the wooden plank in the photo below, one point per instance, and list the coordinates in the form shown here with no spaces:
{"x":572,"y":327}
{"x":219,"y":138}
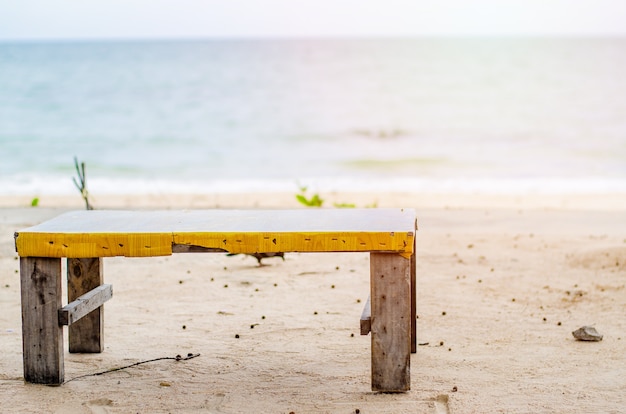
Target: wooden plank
{"x":413,"y":275}
{"x":368,"y":220}
{"x":75,"y":311}
{"x":390,"y":322}
{"x":189,"y":248}
{"x":366,"y":318}
{"x":42,"y":336}
{"x":87,"y":334}
{"x":413,"y":303}
{"x":101,"y":233}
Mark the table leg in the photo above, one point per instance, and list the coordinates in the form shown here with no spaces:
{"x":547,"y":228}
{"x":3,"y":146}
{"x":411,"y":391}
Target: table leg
{"x":390,"y":321}
{"x":42,"y":335}
{"x":413,"y":304}
{"x":86,"y":334}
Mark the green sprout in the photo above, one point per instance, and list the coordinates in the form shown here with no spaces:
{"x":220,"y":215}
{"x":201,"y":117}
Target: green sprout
{"x":314,"y":201}
{"x":82,"y":179}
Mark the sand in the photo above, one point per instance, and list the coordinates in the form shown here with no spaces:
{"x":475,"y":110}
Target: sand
{"x":502,"y":283}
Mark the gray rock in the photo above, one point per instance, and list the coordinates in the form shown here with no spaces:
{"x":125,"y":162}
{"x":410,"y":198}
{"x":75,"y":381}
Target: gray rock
{"x":587,"y":333}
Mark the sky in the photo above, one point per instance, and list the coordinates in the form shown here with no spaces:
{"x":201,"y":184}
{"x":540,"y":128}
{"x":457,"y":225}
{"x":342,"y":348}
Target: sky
{"x":144,"y":19}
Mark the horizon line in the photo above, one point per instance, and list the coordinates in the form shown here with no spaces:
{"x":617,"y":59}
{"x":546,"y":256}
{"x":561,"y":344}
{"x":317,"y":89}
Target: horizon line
{"x":450,"y":36}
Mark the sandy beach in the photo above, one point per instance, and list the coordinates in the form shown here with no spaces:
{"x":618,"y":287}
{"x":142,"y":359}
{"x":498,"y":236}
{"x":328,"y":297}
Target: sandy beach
{"x":502,"y":282}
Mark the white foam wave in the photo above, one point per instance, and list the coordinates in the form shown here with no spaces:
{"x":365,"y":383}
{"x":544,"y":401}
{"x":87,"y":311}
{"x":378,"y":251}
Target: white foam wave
{"x":62,"y":185}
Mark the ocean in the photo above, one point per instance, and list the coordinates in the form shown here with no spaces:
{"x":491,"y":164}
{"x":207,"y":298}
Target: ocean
{"x":466,"y":115}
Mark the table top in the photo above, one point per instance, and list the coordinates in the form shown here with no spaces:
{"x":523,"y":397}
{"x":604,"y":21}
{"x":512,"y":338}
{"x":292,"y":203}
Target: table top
{"x":138,"y":233}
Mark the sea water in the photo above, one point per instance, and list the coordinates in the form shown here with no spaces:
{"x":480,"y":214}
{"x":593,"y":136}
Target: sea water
{"x":509,"y":115}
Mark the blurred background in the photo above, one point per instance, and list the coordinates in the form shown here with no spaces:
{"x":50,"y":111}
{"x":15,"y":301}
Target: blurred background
{"x":421,"y":96}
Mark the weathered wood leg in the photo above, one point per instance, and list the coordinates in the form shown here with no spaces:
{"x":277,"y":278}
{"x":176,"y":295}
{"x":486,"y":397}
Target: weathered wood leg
{"x":85,"y":335}
{"x":42,"y":335}
{"x":390,"y":322}
{"x":413,"y":304}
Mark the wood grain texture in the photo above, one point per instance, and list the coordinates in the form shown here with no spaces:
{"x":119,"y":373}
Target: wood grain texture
{"x":42,"y":335}
{"x":84,"y":305}
{"x":414,"y":295}
{"x":87,"y":334}
{"x":366,"y":318}
{"x":390,"y":322}
{"x":413,"y":303}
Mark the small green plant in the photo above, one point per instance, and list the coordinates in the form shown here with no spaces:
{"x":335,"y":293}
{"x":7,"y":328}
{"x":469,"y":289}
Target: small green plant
{"x":313,"y":201}
{"x":81,"y":183}
{"x":344,"y":205}
{"x":34,"y":202}
{"x":316,"y":201}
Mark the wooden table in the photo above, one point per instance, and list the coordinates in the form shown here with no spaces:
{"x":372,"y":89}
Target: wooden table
{"x":86,"y":237}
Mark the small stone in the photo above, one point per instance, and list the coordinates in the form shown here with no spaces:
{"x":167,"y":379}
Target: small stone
{"x":587,"y":333}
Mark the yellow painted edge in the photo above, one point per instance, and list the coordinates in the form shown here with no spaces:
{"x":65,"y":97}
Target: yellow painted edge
{"x":160,"y":244}
{"x":93,"y":245}
{"x":301,"y":242}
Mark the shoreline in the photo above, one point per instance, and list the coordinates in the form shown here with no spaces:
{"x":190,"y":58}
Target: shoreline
{"x":597,"y":202}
